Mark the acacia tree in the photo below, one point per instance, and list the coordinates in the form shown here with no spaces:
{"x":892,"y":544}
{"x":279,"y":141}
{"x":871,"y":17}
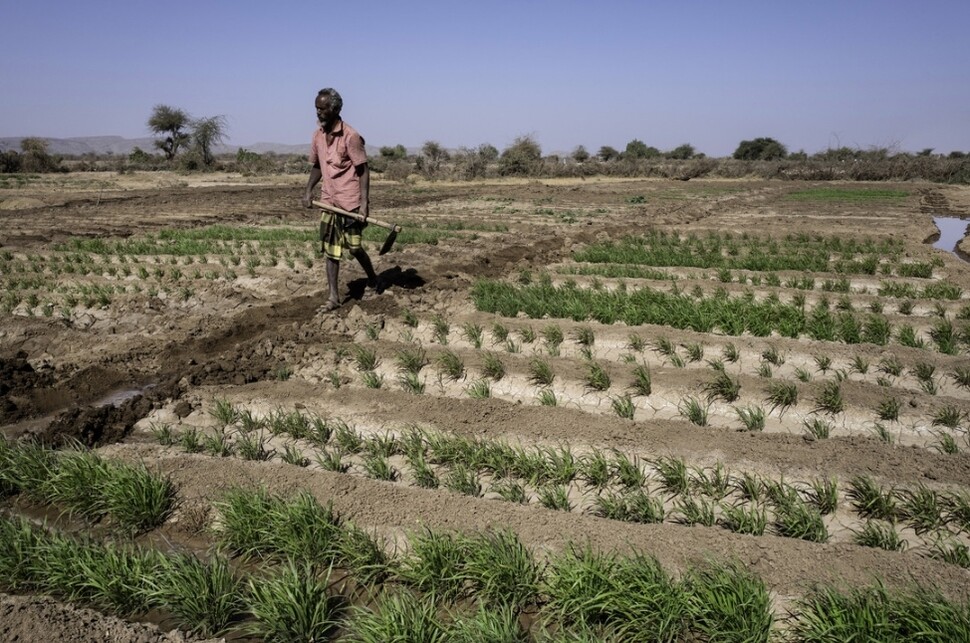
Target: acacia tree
{"x":206,"y":134}
{"x":760,"y":149}
{"x":173,"y":122}
{"x":522,"y":158}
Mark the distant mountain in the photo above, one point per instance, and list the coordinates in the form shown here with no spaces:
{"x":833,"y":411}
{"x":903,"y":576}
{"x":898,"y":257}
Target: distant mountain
{"x":101,"y":145}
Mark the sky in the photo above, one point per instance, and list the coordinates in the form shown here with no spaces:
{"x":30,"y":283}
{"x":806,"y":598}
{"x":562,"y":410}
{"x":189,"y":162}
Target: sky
{"x":812,"y":75}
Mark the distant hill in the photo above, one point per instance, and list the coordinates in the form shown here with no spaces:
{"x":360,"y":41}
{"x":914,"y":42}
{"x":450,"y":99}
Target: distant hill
{"x":101,"y":145}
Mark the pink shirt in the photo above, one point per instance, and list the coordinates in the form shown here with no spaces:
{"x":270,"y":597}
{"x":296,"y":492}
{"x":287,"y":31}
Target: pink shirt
{"x":340,"y":184}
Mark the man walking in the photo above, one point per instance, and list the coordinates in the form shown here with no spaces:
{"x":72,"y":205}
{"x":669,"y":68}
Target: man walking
{"x":338,"y":158}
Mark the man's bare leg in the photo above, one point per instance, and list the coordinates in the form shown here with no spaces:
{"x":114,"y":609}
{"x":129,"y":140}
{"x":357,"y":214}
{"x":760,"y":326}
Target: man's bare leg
{"x":364,"y":259}
{"x":333,"y":271}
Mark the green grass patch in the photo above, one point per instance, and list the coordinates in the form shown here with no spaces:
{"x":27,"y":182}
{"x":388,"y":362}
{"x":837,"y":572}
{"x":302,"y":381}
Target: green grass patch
{"x":826,"y":193}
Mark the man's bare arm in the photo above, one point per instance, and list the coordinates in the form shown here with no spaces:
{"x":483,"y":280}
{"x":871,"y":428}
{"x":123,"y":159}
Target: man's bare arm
{"x":363,"y":171}
{"x":315,"y":175}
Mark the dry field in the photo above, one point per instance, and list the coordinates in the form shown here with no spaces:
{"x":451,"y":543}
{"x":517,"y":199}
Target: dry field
{"x":726,"y":409}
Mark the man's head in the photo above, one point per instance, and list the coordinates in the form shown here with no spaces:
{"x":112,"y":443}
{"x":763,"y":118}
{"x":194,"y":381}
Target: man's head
{"x":328,"y":103}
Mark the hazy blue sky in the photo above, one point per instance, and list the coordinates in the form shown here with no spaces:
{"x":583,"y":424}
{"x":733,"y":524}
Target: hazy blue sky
{"x":711,"y":73}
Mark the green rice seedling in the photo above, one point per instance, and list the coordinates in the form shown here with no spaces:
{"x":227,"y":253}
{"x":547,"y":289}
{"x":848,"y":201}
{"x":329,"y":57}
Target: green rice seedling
{"x":946,"y":443}
{"x":665,"y":347}
{"x":881,"y":432}
{"x":860,"y":365}
{"x":433,"y":564}
{"x":951,"y":551}
{"x":348,"y":440}
{"x":372,"y":331}
{"x":500,"y":333}
{"x":764,"y":371}
{"x":473,"y":333}
{"x":957,"y":504}
{"x":411,"y":383}
{"x":555,"y":496}
{"x":540,"y":372}
{"x":225,"y":412}
{"x":441,"y":328}
{"x":636,"y":343}
{"x":585,"y":336}
{"x":372,"y":379}
{"x":888,"y":409}
{"x":450,"y":366}
{"x":377,"y":467}
{"x":510,"y":491}
{"x":293,"y":605}
{"x":906,"y":307}
{"x":781,"y":395}
{"x":730,"y":353}
{"x":632,"y":506}
{"x":823,"y":363}
{"x":772,"y":356}
{"x":207,"y":597}
{"x":752,"y":417}
{"x":634,"y":596}
{"x":750,"y":486}
{"x":411,"y":360}
{"x":249,"y":422}
{"x":642,"y":381}
{"x":948,"y":416}
{"x":292,"y":454}
{"x":251,"y":446}
{"x":331,"y":460}
{"x":492,"y":366}
{"x":136,"y":499}
{"x":882,"y":535}
{"x":552,"y":335}
{"x":674,"y":475}
{"x":162,"y":433}
{"x":363,"y":555}
{"x":945,"y":336}
{"x":628,"y":471}
{"x":824,"y":494}
{"x":796,"y":518}
{"x":922,"y":508}
{"x":217,"y":444}
{"x":365,"y":358}
{"x":597,"y":379}
{"x":961,"y":376}
{"x":493,"y":625}
{"x":547,"y":397}
{"x":400,"y":616}
{"x":424,"y":476}
{"x":512,"y":347}
{"x":693,"y":510}
{"x":463,"y":480}
{"x":695,"y":352}
{"x":623,"y":406}
{"x":501,"y":571}
{"x":726,"y":602}
{"x":803,"y":374}
{"x":723,"y":387}
{"x":870,"y":500}
{"x":743,"y":518}
{"x":479,"y":389}
{"x":874,"y":614}
{"x":527,"y":334}
{"x":829,"y":398}
{"x":713,"y":482}
{"x":717,"y":365}
{"x":693,"y":410}
{"x":409,"y":318}
{"x":595,"y":469}
{"x":906,"y":335}
{"x":817,"y":428}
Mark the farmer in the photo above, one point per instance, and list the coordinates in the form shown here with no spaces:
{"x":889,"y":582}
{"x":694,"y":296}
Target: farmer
{"x":338,"y":157}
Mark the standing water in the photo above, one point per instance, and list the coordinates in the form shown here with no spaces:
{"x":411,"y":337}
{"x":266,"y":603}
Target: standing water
{"x":952,"y":231}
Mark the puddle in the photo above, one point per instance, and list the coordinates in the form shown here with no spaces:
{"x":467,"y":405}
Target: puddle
{"x":952,"y":231}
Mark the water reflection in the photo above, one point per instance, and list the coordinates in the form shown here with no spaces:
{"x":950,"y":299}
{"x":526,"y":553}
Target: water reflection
{"x":952,"y":231}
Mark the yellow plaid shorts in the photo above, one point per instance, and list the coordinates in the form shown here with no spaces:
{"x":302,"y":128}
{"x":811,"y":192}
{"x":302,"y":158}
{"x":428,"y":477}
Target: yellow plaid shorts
{"x":339,"y":233}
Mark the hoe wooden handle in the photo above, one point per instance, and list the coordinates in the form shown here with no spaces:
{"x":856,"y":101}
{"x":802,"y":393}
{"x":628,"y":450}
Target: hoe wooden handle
{"x":354,"y":215}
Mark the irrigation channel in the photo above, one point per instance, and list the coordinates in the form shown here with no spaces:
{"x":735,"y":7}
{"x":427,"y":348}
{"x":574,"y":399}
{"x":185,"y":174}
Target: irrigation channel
{"x":583,"y":410}
{"x":952,"y":232}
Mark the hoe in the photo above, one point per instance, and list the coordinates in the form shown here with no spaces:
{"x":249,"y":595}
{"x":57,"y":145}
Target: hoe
{"x":353,"y":215}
